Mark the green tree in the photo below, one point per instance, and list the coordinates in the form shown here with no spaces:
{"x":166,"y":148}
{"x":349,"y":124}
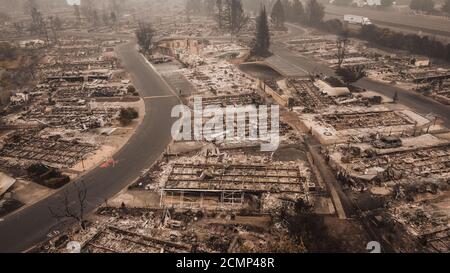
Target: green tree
{"x":278,"y":15}
{"x":261,"y":43}
{"x":315,"y":13}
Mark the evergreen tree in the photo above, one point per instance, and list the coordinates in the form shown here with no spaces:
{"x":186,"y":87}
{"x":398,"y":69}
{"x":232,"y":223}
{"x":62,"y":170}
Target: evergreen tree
{"x":105,"y":18}
{"x":226,"y":14}
{"x":37,"y":23}
{"x":278,"y":15}
{"x":261,"y":44}
{"x":287,"y":6}
{"x":315,"y":13}
{"x":237,"y":17}
{"x":57,"y":23}
{"x":220,"y":12}
{"x":298,"y":12}
{"x":113,"y":18}
{"x":116,"y":7}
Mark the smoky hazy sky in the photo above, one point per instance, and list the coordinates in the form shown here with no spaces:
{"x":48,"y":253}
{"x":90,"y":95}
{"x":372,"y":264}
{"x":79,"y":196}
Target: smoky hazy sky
{"x":73,"y":2}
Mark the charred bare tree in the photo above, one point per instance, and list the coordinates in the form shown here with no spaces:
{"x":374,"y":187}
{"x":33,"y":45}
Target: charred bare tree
{"x":53,"y":28}
{"x":57,"y":23}
{"x":231,"y":16}
{"x":37,"y":23}
{"x":113,"y":18}
{"x":341,"y":45}
{"x":144,"y":35}
{"x":220,"y":12}
{"x":352,"y":74}
{"x":116,"y":7}
{"x":19,"y":27}
{"x":238,"y":18}
{"x":69,"y":212}
{"x":278,"y":15}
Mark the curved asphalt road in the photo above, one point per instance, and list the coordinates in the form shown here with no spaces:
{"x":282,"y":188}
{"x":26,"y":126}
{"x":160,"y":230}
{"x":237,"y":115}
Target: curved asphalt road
{"x":29,"y":226}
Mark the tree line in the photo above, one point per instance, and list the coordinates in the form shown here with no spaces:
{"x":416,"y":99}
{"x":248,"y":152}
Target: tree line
{"x":293,"y":11}
{"x":422,"y":5}
{"x":413,"y":43}
{"x":313,"y":15}
{"x":7,"y":51}
{"x":107,"y":15}
{"x":230,"y":15}
{"x":423,"y":45}
{"x":428,"y":6}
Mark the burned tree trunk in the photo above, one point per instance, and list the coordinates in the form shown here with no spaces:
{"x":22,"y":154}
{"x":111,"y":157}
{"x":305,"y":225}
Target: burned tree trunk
{"x":74,"y":210}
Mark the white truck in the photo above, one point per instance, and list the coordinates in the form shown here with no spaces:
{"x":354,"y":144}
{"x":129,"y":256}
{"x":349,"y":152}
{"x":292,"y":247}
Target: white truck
{"x":358,"y":20}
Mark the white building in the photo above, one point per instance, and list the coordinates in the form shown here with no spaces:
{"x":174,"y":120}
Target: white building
{"x":421,"y":61}
{"x":370,"y":3}
{"x":32,"y":43}
{"x":19,"y":98}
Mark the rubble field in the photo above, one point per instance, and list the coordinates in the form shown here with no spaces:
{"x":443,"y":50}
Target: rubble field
{"x":411,"y":72}
{"x":67,"y":121}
